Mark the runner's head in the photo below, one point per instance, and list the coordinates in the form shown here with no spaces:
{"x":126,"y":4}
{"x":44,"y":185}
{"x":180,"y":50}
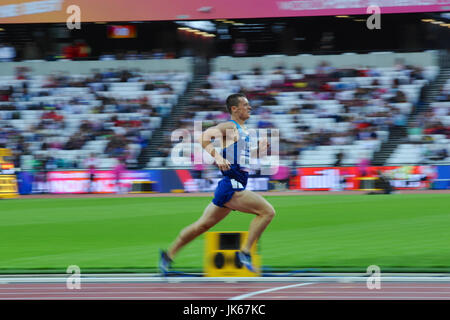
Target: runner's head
{"x":238,"y":106}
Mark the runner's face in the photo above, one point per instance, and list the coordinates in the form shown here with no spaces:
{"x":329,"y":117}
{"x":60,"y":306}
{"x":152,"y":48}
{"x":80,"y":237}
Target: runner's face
{"x":243,"y":109}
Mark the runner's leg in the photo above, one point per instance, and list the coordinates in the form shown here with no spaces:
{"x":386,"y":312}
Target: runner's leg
{"x":251,"y":202}
{"x":211,"y":216}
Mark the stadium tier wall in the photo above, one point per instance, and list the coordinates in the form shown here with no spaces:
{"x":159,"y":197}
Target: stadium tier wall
{"x":40,"y":67}
{"x":377,"y":59}
{"x":373,"y":59}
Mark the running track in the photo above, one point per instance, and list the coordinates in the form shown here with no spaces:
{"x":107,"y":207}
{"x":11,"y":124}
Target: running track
{"x":152,"y":287}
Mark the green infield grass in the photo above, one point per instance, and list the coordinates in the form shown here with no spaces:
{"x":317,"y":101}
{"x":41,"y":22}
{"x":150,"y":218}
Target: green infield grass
{"x":400,"y":232}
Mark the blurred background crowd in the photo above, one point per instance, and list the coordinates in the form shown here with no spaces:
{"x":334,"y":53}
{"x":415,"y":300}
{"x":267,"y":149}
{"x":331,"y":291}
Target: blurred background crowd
{"x":332,"y":107}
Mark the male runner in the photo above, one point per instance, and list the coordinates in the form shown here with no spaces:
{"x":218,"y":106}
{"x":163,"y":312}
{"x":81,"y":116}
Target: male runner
{"x":230,"y":193}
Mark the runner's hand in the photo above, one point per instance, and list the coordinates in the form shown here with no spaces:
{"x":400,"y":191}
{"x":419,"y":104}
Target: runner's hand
{"x":263,"y":146}
{"x":223,"y":164}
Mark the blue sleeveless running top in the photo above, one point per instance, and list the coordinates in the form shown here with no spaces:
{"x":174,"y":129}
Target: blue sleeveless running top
{"x":239,"y":156}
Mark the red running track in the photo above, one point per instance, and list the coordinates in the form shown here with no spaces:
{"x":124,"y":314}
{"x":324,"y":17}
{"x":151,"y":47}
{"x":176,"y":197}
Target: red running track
{"x":227,"y":291}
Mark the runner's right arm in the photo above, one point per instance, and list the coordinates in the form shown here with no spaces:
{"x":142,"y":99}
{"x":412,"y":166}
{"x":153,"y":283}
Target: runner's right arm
{"x":216,"y":132}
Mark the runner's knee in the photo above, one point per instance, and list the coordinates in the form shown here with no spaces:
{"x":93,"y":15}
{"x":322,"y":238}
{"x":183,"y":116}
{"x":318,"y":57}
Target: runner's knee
{"x":268,"y":213}
{"x":271,"y":214}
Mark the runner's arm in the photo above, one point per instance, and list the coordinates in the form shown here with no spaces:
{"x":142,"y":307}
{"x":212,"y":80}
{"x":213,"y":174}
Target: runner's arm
{"x":216,"y":132}
{"x":261,"y":149}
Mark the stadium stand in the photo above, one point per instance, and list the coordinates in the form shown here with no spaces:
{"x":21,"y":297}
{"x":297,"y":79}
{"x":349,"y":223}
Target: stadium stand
{"x":428,"y":140}
{"x":58,"y":120}
{"x":321,"y":106}
{"x":324,"y":106}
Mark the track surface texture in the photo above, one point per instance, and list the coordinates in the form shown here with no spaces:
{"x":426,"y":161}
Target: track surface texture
{"x":153,"y":287}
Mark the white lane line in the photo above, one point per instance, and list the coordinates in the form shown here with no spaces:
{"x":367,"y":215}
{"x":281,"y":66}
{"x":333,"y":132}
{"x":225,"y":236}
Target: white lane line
{"x":251,"y":294}
{"x":54,"y":280}
{"x":117,"y":298}
{"x":222,"y":298}
{"x":81,"y":292}
{"x":317,"y":294}
{"x":87,"y":287}
{"x":355,"y":298}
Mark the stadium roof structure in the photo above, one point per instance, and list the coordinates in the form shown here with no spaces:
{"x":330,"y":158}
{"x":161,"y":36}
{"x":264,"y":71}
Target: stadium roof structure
{"x":54,"y":11}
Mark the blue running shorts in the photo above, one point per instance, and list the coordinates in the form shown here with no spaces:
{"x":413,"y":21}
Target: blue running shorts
{"x":225,"y":191}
